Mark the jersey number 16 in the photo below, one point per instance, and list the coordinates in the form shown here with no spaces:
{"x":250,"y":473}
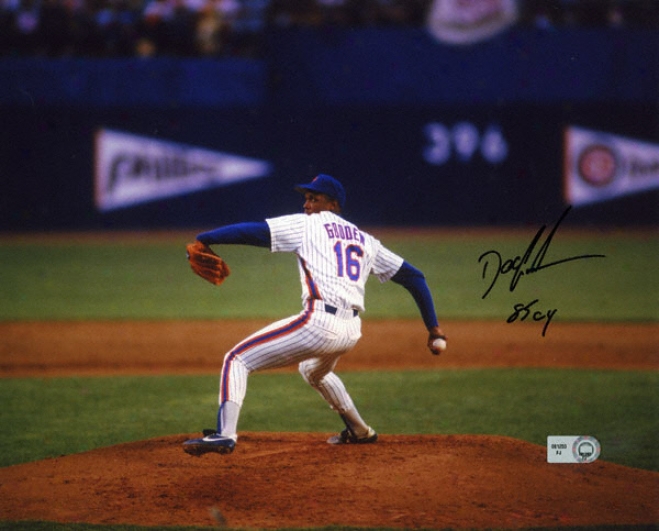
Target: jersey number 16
{"x":347,"y":260}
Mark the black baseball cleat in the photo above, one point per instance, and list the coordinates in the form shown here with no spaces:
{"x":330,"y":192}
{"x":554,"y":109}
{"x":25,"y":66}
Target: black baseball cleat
{"x":345,"y":437}
{"x":211,"y":443}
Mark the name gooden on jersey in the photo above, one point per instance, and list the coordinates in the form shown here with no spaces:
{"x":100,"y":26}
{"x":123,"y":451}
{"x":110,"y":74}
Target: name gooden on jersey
{"x":347,"y":254}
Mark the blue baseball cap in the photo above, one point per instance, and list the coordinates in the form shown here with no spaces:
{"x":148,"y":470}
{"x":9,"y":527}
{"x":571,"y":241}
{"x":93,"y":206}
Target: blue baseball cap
{"x":325,"y":184}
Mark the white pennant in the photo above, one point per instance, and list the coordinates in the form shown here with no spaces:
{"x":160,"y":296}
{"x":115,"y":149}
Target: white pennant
{"x":132,"y":169}
{"x":600,"y":166}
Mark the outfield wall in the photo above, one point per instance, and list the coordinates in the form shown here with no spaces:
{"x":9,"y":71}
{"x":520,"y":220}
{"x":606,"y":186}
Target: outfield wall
{"x":421,"y":133}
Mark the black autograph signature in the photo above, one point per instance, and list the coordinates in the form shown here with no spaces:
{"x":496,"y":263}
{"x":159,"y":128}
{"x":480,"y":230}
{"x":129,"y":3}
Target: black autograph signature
{"x":530,"y":262}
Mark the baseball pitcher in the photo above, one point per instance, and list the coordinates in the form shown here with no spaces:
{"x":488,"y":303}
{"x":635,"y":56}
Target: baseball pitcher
{"x":335,"y":258}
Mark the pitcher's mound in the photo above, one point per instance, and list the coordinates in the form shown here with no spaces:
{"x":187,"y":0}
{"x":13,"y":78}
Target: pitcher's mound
{"x":298,"y":480}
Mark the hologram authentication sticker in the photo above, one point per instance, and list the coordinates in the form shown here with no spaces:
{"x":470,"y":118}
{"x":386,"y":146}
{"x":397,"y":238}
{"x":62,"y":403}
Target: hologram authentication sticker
{"x":572,"y":449}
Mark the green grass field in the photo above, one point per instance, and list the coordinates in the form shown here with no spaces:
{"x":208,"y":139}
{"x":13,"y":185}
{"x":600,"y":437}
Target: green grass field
{"x":115,"y":280}
{"x":57,"y":416}
{"x":126,"y":280}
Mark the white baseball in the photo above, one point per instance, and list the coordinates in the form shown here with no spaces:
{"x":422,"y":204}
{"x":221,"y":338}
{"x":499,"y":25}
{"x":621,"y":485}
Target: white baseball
{"x":439,"y":344}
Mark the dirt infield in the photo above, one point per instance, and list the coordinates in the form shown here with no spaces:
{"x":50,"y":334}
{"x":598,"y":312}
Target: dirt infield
{"x":297,"y":480}
{"x":143,"y":347}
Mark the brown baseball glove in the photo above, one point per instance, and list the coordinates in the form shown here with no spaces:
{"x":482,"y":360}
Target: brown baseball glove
{"x":205,"y":263}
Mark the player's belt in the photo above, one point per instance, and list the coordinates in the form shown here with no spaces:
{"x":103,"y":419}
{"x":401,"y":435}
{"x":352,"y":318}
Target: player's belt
{"x":333,"y":310}
{"x":339,"y":312}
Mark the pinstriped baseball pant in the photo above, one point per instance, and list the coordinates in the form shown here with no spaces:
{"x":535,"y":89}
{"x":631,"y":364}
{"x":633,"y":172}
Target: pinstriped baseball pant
{"x":314,"y":339}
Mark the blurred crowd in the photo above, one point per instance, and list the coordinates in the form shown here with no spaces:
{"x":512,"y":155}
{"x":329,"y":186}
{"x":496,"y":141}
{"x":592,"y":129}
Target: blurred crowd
{"x":197,"y":28}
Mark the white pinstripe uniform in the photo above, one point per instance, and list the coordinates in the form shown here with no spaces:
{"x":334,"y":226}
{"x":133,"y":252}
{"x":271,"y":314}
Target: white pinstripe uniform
{"x":335,"y":259}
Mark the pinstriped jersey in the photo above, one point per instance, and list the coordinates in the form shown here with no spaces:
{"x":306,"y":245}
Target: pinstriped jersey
{"x":335,"y":257}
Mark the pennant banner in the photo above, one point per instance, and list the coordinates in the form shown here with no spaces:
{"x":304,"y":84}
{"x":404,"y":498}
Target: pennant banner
{"x":599,"y":166}
{"x":132,"y":169}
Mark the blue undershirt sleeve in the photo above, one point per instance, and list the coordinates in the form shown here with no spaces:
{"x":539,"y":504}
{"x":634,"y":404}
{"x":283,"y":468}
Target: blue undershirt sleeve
{"x":250,"y":233}
{"x":414,"y":281}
